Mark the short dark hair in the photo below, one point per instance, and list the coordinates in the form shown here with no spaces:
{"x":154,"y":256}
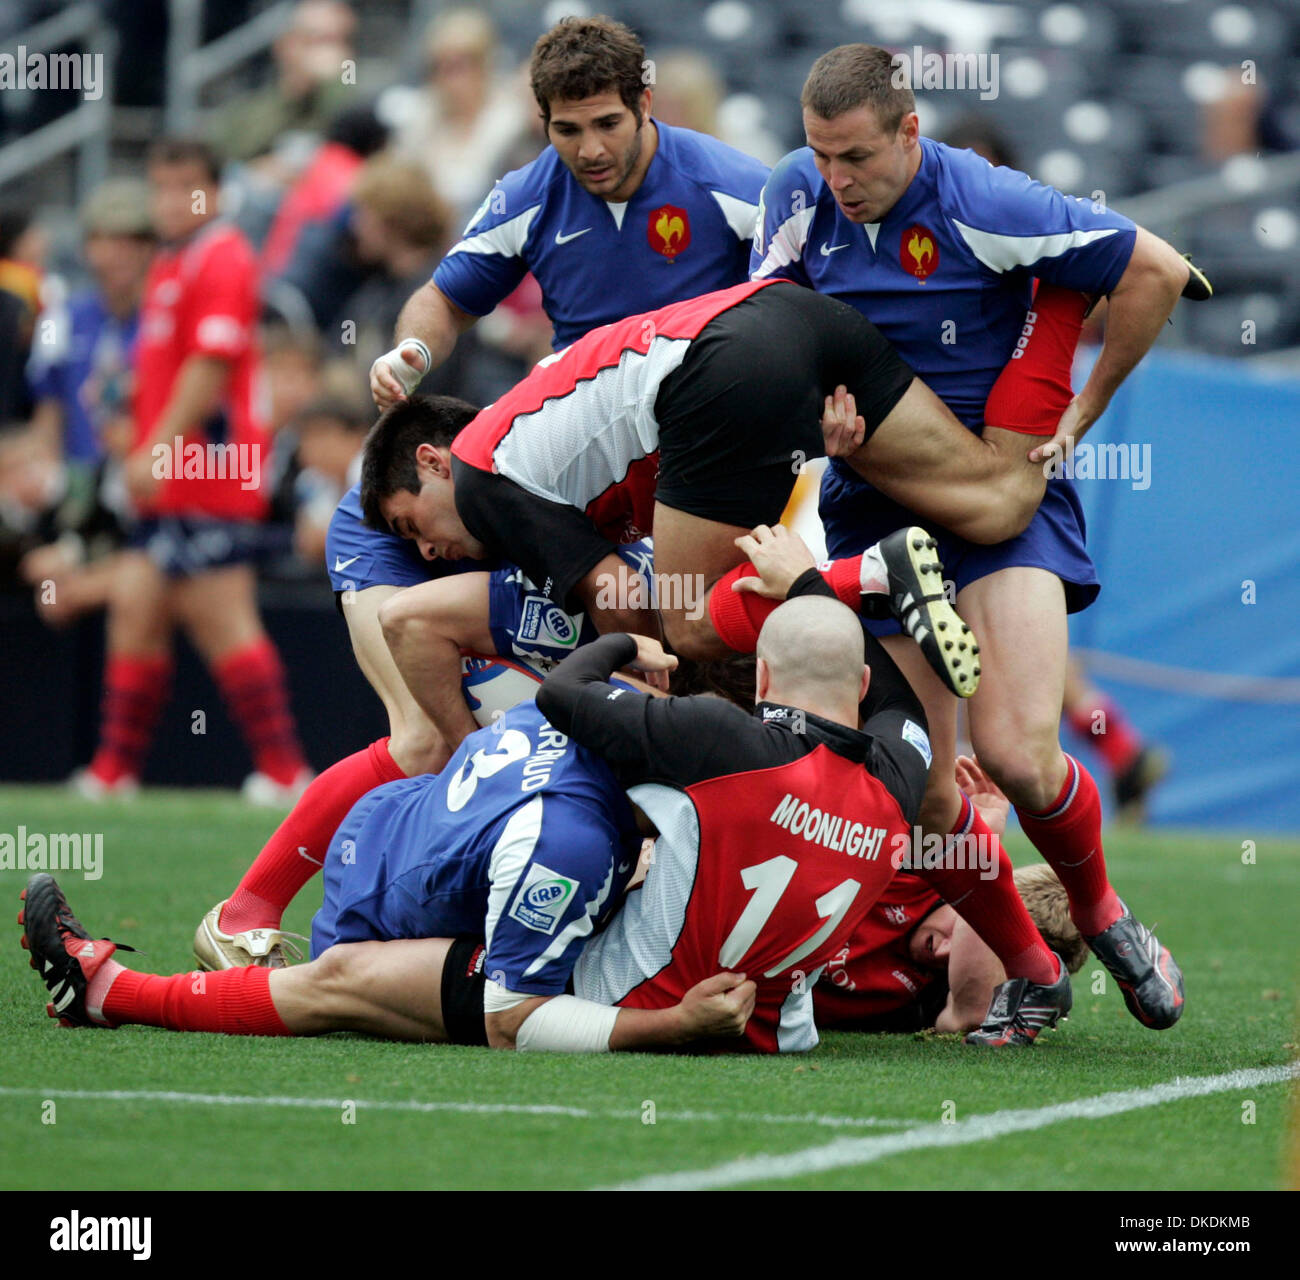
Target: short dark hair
{"x":858,"y":75}
{"x":388,"y":461}
{"x":175,"y":150}
{"x":580,"y":57}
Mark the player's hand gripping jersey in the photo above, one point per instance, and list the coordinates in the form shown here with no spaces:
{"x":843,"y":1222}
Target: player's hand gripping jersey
{"x":775,"y":835}
{"x":685,"y":231}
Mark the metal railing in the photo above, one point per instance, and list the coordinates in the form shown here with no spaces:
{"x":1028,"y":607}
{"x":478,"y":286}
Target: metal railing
{"x":191,"y":67}
{"x":84,"y":129}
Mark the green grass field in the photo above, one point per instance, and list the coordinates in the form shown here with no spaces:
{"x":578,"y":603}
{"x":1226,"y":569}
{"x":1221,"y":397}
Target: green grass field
{"x":139,"y":1108}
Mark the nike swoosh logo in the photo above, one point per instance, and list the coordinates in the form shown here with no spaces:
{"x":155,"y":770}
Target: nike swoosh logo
{"x":340,"y":564}
{"x":828,"y":249}
{"x":561,"y":238}
{"x":302,"y":853}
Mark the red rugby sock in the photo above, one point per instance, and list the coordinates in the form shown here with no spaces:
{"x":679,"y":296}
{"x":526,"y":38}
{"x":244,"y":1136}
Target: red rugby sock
{"x":991,"y":906}
{"x":296,"y":850}
{"x":236,"y":1001}
{"x":1068,"y":835}
{"x":1033,"y":390}
{"x":135,"y":692}
{"x":252,"y":681}
{"x":738,"y":616}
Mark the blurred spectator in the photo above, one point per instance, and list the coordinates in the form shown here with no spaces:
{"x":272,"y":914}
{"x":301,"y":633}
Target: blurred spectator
{"x":399,"y":225}
{"x":195,"y":473}
{"x":330,"y":435}
{"x":975,"y":133}
{"x":22,"y":259}
{"x":321,"y":189}
{"x":1245,"y":119}
{"x":466,"y":124}
{"x":308,"y":91}
{"x":688,"y":92}
{"x":79,"y":373}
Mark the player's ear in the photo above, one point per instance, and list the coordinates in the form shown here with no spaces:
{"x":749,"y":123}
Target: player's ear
{"x":647,"y":103}
{"x":865,"y":683}
{"x":435,"y":460}
{"x":762,"y":680}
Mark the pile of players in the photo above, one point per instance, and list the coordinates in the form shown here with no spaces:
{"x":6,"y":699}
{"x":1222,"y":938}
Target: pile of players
{"x":609,"y":867}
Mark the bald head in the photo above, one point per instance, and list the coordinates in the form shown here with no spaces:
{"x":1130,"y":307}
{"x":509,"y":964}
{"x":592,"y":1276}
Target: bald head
{"x":812,"y":648}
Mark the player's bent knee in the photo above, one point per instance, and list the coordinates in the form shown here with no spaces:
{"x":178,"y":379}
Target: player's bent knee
{"x":1031,"y":780}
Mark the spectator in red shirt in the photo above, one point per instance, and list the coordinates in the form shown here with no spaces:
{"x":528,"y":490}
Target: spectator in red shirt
{"x":195,"y":475}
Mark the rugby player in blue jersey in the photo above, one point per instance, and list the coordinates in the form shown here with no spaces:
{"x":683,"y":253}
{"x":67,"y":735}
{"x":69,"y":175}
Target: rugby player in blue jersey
{"x":941,"y":251}
{"x":620,"y":214}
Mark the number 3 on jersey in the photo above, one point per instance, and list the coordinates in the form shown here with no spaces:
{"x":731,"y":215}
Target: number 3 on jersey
{"x":769,"y":881}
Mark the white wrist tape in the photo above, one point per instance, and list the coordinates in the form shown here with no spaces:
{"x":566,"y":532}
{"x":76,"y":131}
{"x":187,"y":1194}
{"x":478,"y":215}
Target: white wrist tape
{"x":565,"y":1024}
{"x":403,"y":372}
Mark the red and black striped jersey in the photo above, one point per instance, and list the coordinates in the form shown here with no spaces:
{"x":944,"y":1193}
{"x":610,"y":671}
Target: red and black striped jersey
{"x":777,"y":833}
{"x":580,"y":434}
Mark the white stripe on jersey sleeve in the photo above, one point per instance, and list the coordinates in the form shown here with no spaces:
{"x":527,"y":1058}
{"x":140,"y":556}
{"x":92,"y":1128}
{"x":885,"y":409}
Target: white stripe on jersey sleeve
{"x":578,"y":928}
{"x":640,"y":938}
{"x":1005,"y":253}
{"x":506,"y":238}
{"x":740,"y":214}
{"x":509,"y":858}
{"x":787,"y":243}
{"x":797,"y":1032}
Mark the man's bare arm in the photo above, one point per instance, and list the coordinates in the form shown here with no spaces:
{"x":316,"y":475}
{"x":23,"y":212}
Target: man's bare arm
{"x":715,"y":1008}
{"x":1138,"y":307}
{"x":973,"y":972}
{"x":431,"y":318}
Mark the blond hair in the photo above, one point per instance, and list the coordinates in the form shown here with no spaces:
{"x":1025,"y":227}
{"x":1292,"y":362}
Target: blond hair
{"x":1045,"y":899}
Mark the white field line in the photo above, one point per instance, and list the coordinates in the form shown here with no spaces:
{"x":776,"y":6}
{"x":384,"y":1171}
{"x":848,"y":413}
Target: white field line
{"x":845,"y":1152}
{"x":463,"y":1108}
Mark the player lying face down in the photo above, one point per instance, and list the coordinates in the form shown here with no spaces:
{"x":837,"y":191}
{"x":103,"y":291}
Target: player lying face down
{"x":914,"y":963}
{"x":525,"y":839}
{"x":527,"y":836}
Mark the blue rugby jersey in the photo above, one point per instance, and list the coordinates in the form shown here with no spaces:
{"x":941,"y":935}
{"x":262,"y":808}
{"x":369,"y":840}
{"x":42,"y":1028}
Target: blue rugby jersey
{"x":525,"y":838}
{"x":685,"y":231}
{"x":947,"y":274}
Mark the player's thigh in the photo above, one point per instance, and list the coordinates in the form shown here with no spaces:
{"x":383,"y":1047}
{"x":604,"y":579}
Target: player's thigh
{"x":218,"y":609}
{"x":1018,"y":616}
{"x":691,"y":554}
{"x":942,"y":801}
{"x":139,"y":612}
{"x":390,"y":989}
{"x":984,"y":488}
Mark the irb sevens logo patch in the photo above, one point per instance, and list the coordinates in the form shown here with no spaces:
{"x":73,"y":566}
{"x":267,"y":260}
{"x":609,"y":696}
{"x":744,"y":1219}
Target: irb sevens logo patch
{"x":542,"y":899}
{"x":542,"y":621}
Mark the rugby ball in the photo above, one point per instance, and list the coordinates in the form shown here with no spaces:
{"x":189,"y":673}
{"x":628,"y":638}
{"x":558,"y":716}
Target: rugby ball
{"x":493,"y":685}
